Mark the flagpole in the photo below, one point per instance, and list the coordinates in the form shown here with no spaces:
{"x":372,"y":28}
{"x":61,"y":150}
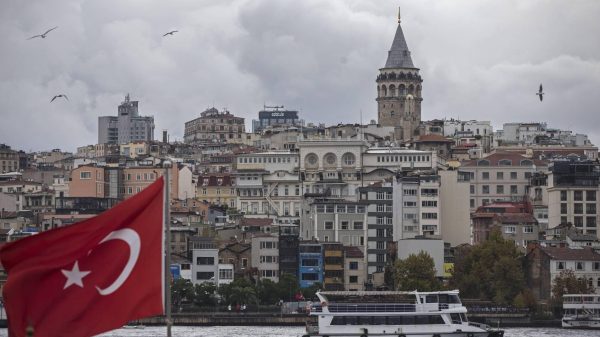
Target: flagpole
{"x":166,"y":214}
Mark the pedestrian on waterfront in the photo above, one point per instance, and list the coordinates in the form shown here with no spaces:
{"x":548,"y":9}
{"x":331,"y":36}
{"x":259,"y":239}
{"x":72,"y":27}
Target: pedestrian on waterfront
{"x":229,"y":307}
{"x":237,"y":308}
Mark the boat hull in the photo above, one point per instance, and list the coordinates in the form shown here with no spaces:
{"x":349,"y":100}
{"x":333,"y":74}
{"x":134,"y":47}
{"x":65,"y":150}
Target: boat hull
{"x":581,"y":324}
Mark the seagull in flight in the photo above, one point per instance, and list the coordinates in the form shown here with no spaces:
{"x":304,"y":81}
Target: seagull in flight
{"x":58,"y":96}
{"x":170,"y":33}
{"x":540,"y":93}
{"x":43,"y":36}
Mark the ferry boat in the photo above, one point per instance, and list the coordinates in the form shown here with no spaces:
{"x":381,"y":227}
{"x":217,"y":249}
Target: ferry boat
{"x":581,"y":311}
{"x":393,"y":313}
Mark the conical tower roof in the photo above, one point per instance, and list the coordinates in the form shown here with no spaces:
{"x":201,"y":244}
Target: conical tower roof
{"x":399,"y":55}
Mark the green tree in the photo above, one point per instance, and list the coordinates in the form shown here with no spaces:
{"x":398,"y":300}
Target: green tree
{"x":226,"y":290}
{"x":182,"y":291}
{"x":309,"y":293}
{"x":416,"y":272}
{"x":267,"y":291}
{"x":243,"y":295}
{"x":205,"y":294}
{"x":490,"y":271}
{"x":287,"y":287}
{"x":567,"y":283}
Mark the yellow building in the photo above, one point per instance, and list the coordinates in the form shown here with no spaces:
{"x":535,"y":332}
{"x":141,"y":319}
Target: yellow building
{"x":218,"y":189}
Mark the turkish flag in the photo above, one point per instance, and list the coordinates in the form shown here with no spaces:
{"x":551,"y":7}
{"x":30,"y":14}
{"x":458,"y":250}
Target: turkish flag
{"x":89,"y":277}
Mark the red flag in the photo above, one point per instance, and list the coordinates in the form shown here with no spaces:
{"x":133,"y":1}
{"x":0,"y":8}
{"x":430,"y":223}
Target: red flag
{"x":89,"y":277}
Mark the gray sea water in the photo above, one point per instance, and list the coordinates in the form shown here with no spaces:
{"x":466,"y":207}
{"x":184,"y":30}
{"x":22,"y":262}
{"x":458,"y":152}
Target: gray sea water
{"x":256,"y":331}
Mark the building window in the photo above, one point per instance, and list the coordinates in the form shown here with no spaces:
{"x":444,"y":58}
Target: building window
{"x":205,"y":275}
{"x":510,"y":229}
{"x":499,"y":189}
{"x":560,"y":265}
{"x":353,"y":279}
{"x":358,"y":225}
{"x":563,"y":208}
{"x":328,"y":224}
{"x":578,"y":195}
{"x":205,"y":260}
{"x":472,"y":189}
{"x":514,"y":189}
{"x":353,"y":265}
{"x":380,"y":196}
{"x":500,"y":175}
{"x":472,"y":203}
{"x":578,"y":208}
{"x":578,"y":221}
{"x":563,"y":196}
{"x":485,"y":175}
{"x":563,"y":219}
{"x":590,"y":208}
{"x":579,"y":265}
{"x":590,"y":195}
{"x":268,"y":245}
{"x":85,"y":175}
{"x":485,"y":189}
{"x":596,"y":265}
{"x":513,"y":175}
{"x":344,"y":225}
{"x":590,"y":221}
{"x":225,"y":274}
{"x":528,"y":229}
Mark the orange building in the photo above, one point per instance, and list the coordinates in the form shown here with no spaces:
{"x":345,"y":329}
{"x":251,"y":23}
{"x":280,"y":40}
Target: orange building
{"x":87,"y":181}
{"x":137,"y":178}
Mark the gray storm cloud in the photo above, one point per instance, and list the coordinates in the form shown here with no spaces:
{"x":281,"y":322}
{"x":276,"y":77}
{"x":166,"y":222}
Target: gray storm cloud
{"x":479,"y":60}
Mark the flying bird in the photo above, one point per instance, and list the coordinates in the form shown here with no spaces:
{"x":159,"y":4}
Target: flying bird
{"x":43,"y":36}
{"x":58,"y":96}
{"x":170,"y":33}
{"x":540,"y":93}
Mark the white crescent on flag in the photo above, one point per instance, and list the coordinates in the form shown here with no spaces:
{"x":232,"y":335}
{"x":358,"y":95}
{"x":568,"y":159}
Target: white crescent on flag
{"x":132,"y":239}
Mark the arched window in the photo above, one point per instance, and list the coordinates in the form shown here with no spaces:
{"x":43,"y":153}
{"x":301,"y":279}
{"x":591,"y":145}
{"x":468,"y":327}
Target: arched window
{"x":383,"y":91}
{"x":392,"y":90}
{"x":401,"y":90}
{"x":348,"y":159}
{"x":329,"y":160}
{"x":483,"y":162}
{"x":505,"y":162}
{"x":411,"y":89}
{"x":311,"y":160}
{"x":526,"y":162}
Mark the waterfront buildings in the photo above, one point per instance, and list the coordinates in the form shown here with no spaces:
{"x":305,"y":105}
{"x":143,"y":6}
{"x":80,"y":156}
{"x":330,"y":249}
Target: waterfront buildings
{"x":310,"y":257}
{"x":128,"y":126}
{"x":544,"y":264}
{"x":213,"y":127}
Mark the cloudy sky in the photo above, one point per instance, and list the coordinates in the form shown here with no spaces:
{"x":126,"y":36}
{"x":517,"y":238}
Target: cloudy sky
{"x":480,"y":59}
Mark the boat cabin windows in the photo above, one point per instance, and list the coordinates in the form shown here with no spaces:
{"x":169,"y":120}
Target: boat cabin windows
{"x":448,"y":298}
{"x":389,"y":320}
{"x":458,"y":318}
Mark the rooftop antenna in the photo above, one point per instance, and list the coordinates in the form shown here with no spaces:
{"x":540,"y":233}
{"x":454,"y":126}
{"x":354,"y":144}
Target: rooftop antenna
{"x":398,"y":14}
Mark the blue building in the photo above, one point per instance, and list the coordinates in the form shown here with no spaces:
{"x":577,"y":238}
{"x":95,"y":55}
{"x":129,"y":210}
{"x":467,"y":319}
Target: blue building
{"x":310,"y":266}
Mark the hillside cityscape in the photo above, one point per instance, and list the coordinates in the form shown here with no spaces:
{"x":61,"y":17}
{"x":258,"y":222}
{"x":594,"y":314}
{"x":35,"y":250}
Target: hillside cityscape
{"x":271,"y":210}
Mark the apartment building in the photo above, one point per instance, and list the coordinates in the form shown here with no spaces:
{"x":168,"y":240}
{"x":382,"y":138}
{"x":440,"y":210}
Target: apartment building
{"x":513,"y":219}
{"x":333,"y":266}
{"x":501,"y":176}
{"x":310,"y":269}
{"x":265,"y":256}
{"x":355,"y":273}
{"x":217,"y":189}
{"x":377,"y":198}
{"x":268,"y":184}
{"x":573,"y":194}
{"x":213,"y":127}
{"x":417,"y":208}
{"x":334,"y":220}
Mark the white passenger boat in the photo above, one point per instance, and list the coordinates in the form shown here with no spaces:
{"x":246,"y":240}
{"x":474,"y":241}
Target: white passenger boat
{"x":581,"y":311}
{"x":393,"y":313}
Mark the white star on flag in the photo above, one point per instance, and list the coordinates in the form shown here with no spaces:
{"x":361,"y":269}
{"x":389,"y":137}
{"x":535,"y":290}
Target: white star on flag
{"x":74,"y":276}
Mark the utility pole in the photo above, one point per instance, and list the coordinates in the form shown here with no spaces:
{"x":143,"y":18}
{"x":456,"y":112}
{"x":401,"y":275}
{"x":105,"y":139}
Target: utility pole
{"x":166,"y":217}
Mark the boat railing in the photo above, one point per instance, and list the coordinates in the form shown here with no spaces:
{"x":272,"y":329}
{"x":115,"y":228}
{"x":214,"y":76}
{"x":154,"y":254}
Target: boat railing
{"x":372,"y":307}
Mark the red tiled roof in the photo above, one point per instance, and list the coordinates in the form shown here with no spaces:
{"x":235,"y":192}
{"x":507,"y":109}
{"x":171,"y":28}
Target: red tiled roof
{"x":571,"y":254}
{"x":516,"y":218}
{"x":213,"y":180}
{"x":256,"y":222}
{"x":353,"y":252}
{"x":495,"y":158}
